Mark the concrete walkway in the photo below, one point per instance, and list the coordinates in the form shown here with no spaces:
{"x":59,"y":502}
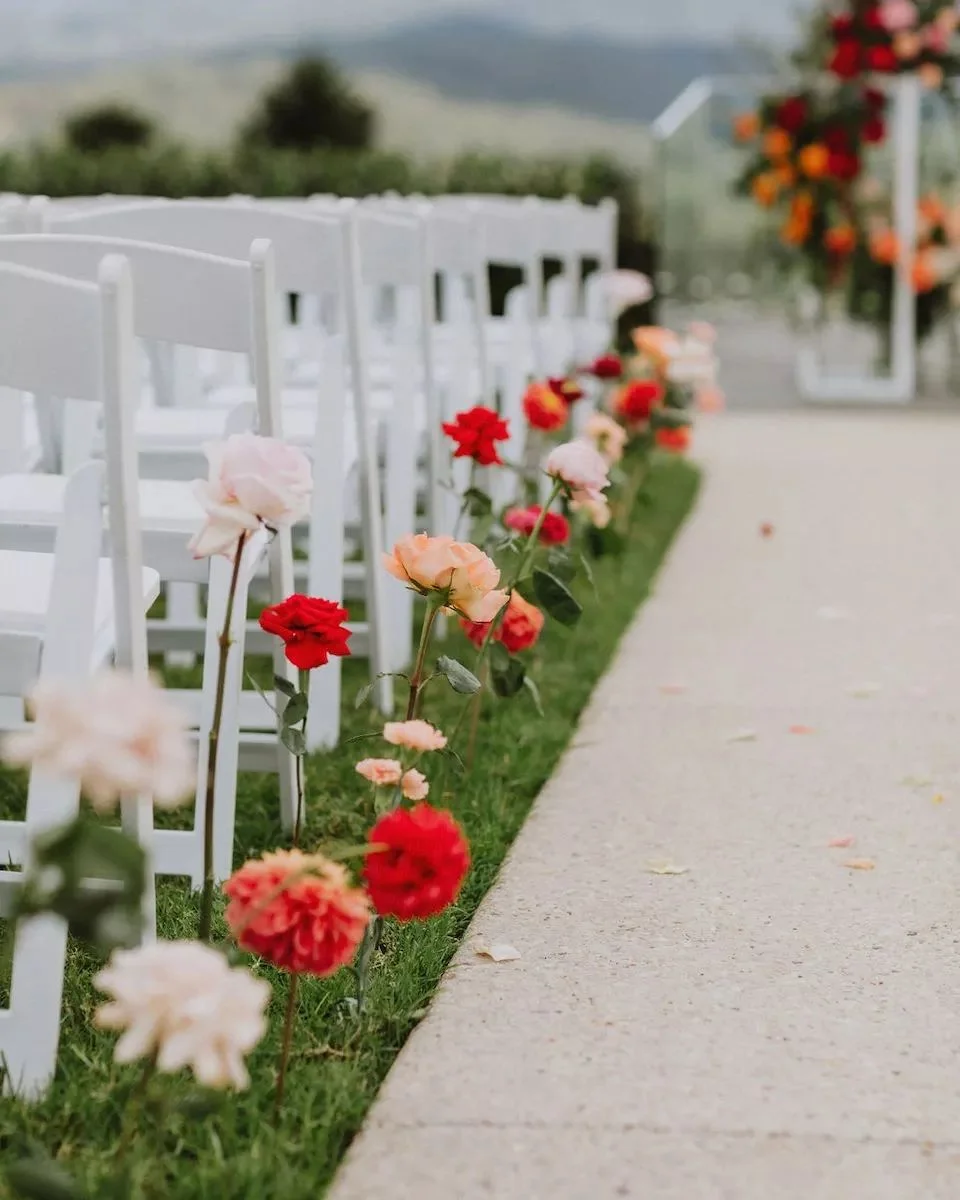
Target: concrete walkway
{"x":771,"y":1024}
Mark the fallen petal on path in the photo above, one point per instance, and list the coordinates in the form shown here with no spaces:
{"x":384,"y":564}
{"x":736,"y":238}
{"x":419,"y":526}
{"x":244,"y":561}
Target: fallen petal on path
{"x":743,"y":735}
{"x":766,"y":530}
{"x":841,"y":843}
{"x":499,"y":953}
{"x":673,"y":689}
{"x":916,"y":781}
{"x":863,"y":691}
{"x":665,"y":868}
{"x":860,"y":864}
{"x":939,"y":798}
{"x":802,"y":730}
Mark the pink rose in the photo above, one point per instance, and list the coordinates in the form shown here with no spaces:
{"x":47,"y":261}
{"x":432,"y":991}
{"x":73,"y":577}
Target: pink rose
{"x":252,"y":480}
{"x":623,"y":289}
{"x":897,"y":15}
{"x":466,"y":576}
{"x":414,"y":735}
{"x":581,"y":467}
{"x":381,"y":772}
{"x":415,"y":786}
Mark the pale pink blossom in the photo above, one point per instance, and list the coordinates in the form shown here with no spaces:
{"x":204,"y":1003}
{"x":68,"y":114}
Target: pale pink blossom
{"x":116,"y":734}
{"x":465,"y":576}
{"x":182,"y":1003}
{"x":598,"y":510}
{"x":381,"y":772}
{"x":581,"y":467}
{"x":623,"y":289}
{"x":937,"y":38}
{"x":710,"y":399}
{"x":608,"y":435}
{"x":897,"y":15}
{"x":414,"y":735}
{"x":252,"y":481}
{"x":703,"y":331}
{"x":415,"y":786}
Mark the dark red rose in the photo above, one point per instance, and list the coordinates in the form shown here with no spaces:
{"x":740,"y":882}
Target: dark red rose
{"x":554,"y":531}
{"x":874,"y":130}
{"x":872,"y":19}
{"x":792,"y":114}
{"x":841,"y":27}
{"x":846,"y":60}
{"x":312,"y":630}
{"x":837,"y":138}
{"x":607,"y":366}
{"x":476,"y":433}
{"x":881,"y":58}
{"x":842,"y":165}
{"x":566,"y":389}
{"x":875,"y":99}
{"x":421,"y":865}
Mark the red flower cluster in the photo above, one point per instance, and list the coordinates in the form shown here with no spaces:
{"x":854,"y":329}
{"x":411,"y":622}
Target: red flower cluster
{"x":311,"y":629}
{"x":299,"y":913}
{"x":519,"y":629}
{"x":476,"y":433}
{"x":674,"y":439}
{"x":554,"y":531}
{"x":417,"y":862}
{"x":892,"y":36}
{"x":636,"y":400}
{"x":607,"y":366}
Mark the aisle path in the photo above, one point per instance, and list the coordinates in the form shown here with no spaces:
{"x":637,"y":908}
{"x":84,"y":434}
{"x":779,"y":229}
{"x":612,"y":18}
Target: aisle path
{"x":771,"y":1025}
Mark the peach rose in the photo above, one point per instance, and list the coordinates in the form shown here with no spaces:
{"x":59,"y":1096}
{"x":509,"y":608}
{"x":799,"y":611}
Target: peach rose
{"x":415,"y":786}
{"x":381,"y":772}
{"x":597,"y":510}
{"x":608,"y":435}
{"x":466,"y":576}
{"x":581,"y":467}
{"x":414,"y":735}
{"x":252,"y":480}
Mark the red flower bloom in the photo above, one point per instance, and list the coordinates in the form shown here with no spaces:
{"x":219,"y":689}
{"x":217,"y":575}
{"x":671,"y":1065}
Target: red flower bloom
{"x":874,"y":130}
{"x":423,"y":866}
{"x":312,"y":926}
{"x":545,"y":408}
{"x":845,"y":62}
{"x":675,"y":439}
{"x":836,"y":138}
{"x":792,"y":114}
{"x":519,"y":629}
{"x":476,"y":433}
{"x":607,"y":366}
{"x":875,"y":99}
{"x":841,"y":27}
{"x":554,"y":531}
{"x":636,"y":400}
{"x":881,"y":58}
{"x":567,"y":389}
{"x":872,"y":18}
{"x":843,"y":165}
{"x":311,"y":629}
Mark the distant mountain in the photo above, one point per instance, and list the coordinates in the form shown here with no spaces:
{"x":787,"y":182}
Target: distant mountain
{"x":470,"y":58}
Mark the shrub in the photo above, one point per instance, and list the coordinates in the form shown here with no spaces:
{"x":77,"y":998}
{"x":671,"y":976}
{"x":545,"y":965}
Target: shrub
{"x":312,"y":107}
{"x":105,"y":126}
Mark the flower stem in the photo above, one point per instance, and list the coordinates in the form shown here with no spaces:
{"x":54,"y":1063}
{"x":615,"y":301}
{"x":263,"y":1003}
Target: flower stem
{"x":289,"y":1021}
{"x":475,"y":710}
{"x":416,"y":679}
{"x":224,"y":642}
{"x":298,"y":821}
{"x":368,"y":947}
{"x":134,"y":1107}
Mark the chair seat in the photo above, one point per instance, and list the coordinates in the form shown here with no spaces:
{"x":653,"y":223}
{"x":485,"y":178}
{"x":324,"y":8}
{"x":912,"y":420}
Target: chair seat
{"x":165,"y":506}
{"x":175,"y":430}
{"x":25,"y":595}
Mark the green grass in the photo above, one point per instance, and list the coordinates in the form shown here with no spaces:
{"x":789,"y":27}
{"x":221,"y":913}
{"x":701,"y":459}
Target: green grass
{"x":194,"y":1145}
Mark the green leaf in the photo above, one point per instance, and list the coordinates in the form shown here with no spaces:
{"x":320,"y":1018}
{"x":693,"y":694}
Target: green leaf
{"x":198,"y":1105}
{"x":530,"y":685}
{"x":602,"y":542}
{"x":363,"y":695}
{"x":295,"y":709}
{"x":556,"y":599}
{"x":560,"y":564}
{"x":42,"y":1179}
{"x":294,"y":740}
{"x":285,"y":686}
{"x":477,"y":502}
{"x":261,"y":693}
{"x":588,"y":571}
{"x":507,"y":678}
{"x":457,"y":675}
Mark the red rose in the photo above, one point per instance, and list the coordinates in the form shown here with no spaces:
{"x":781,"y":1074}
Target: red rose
{"x":837,"y":138}
{"x":567,"y":389}
{"x":636,"y":400}
{"x":874,"y":130}
{"x":545,"y":408}
{"x":519,"y":629}
{"x":554,"y":531}
{"x":476,"y":433}
{"x":843,"y":165}
{"x":792,"y":114}
{"x":872,"y":19}
{"x":841,"y":27}
{"x":875,"y":99}
{"x":675,"y":439}
{"x":607,"y":366}
{"x":311,"y":629}
{"x":421,"y":869}
{"x":845,"y":62}
{"x":881,"y":58}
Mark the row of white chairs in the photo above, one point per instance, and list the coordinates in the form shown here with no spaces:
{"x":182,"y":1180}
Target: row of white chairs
{"x":123,"y":324}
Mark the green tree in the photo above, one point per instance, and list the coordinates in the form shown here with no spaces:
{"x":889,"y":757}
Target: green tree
{"x":104,"y":126}
{"x":312,"y":106}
